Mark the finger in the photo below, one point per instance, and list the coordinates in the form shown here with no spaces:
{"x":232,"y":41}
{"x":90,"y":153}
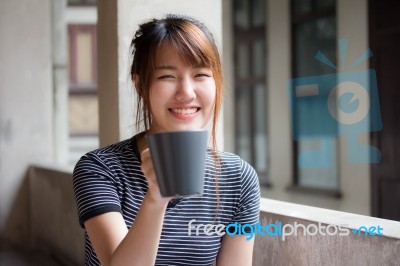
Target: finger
{"x":147,"y":166}
{"x":145,"y":155}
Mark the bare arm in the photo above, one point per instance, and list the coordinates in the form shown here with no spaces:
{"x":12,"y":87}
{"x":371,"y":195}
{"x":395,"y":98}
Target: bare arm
{"x":114,"y":244}
{"x":235,"y":251}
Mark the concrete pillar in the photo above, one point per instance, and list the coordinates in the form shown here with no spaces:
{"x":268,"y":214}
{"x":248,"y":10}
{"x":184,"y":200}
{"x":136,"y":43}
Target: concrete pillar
{"x":117,"y":22}
{"x":352,"y":18}
{"x":26,"y":105}
{"x":228,"y":65}
{"x":60,"y":80}
{"x":278,"y":67}
{"x":108,"y":91}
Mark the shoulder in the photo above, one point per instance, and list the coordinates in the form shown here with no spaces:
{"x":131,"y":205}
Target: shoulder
{"x":247,"y":189}
{"x":112,"y":151}
{"x":120,"y":149}
{"x":107,"y":159}
{"x":233,"y":161}
{"x":232,"y":169}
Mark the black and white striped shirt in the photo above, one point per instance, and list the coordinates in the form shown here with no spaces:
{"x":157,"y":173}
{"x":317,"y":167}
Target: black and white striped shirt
{"x":110,"y":179}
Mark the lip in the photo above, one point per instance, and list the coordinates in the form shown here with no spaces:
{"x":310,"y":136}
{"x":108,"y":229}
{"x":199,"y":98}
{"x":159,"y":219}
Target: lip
{"x":183,"y":116}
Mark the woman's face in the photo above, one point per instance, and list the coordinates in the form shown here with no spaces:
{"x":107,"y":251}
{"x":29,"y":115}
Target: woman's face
{"x":181,"y":95}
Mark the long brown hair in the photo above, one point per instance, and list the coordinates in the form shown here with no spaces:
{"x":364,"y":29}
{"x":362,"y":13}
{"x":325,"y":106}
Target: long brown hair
{"x":192,"y":39}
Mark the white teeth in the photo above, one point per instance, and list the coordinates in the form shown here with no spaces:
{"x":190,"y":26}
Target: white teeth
{"x":184,"y":111}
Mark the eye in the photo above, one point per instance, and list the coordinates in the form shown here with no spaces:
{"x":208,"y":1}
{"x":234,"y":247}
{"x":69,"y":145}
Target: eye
{"x":202,"y":75}
{"x":166,"y":77}
{"x":202,"y":72}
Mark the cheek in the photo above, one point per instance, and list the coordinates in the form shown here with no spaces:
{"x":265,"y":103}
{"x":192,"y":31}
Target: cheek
{"x":154,"y":101}
{"x":211,"y":95}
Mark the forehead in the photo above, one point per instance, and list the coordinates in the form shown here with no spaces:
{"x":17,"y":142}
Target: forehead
{"x":166,"y":55}
{"x":177,"y":54}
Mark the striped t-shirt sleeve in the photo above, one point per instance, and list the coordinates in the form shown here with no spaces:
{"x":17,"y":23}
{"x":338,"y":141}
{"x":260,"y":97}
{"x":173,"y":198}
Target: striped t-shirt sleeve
{"x":248,"y":210}
{"x":94,"y":187}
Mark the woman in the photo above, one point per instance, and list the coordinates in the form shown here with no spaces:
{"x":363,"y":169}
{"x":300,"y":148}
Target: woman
{"x":177,"y":73}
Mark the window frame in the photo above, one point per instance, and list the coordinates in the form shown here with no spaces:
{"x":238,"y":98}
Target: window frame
{"x":248,"y":37}
{"x":81,"y":3}
{"x":295,"y":21}
{"x":74,"y":86}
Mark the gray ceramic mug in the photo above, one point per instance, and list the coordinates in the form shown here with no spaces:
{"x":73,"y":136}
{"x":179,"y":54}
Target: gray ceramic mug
{"x":179,"y":161}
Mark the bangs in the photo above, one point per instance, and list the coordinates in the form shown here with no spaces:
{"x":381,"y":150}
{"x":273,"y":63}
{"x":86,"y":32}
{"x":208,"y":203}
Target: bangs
{"x":191,"y":43}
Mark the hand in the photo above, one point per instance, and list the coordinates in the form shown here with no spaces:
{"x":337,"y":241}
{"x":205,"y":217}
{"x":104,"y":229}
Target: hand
{"x":153,"y":192}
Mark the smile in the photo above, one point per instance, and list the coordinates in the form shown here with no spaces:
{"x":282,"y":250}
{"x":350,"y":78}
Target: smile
{"x":184,"y":111}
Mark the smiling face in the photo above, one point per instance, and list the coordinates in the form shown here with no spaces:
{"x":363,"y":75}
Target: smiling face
{"x":174,"y":92}
{"x":181,"y":95}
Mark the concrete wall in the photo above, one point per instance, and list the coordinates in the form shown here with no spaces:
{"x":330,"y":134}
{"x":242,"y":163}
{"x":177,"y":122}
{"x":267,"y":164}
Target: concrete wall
{"x":351,"y":249}
{"x":25,"y":108}
{"x":117,"y":23}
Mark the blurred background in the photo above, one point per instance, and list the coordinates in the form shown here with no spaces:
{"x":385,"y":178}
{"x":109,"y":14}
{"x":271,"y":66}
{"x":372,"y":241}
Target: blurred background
{"x":65,"y":90}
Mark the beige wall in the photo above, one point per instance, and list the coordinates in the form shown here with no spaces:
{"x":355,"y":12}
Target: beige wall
{"x":25,"y":107}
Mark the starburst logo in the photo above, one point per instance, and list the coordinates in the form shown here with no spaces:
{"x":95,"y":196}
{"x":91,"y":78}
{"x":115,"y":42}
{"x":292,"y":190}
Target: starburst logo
{"x":325,"y":107}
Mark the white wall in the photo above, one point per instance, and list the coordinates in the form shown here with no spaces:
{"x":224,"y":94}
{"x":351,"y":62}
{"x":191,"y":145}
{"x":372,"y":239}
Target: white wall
{"x":25,"y":106}
{"x":116,"y":102}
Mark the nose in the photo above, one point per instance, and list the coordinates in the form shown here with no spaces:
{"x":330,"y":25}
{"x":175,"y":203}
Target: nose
{"x":186,"y":90}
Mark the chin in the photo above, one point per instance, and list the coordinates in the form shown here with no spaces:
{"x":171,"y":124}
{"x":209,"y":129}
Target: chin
{"x":186,"y":128}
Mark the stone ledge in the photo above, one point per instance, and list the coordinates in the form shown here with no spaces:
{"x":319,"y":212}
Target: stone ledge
{"x":326,"y":216}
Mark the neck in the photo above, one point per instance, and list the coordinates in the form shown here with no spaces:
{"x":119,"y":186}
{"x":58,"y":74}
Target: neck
{"x":142,"y":143}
